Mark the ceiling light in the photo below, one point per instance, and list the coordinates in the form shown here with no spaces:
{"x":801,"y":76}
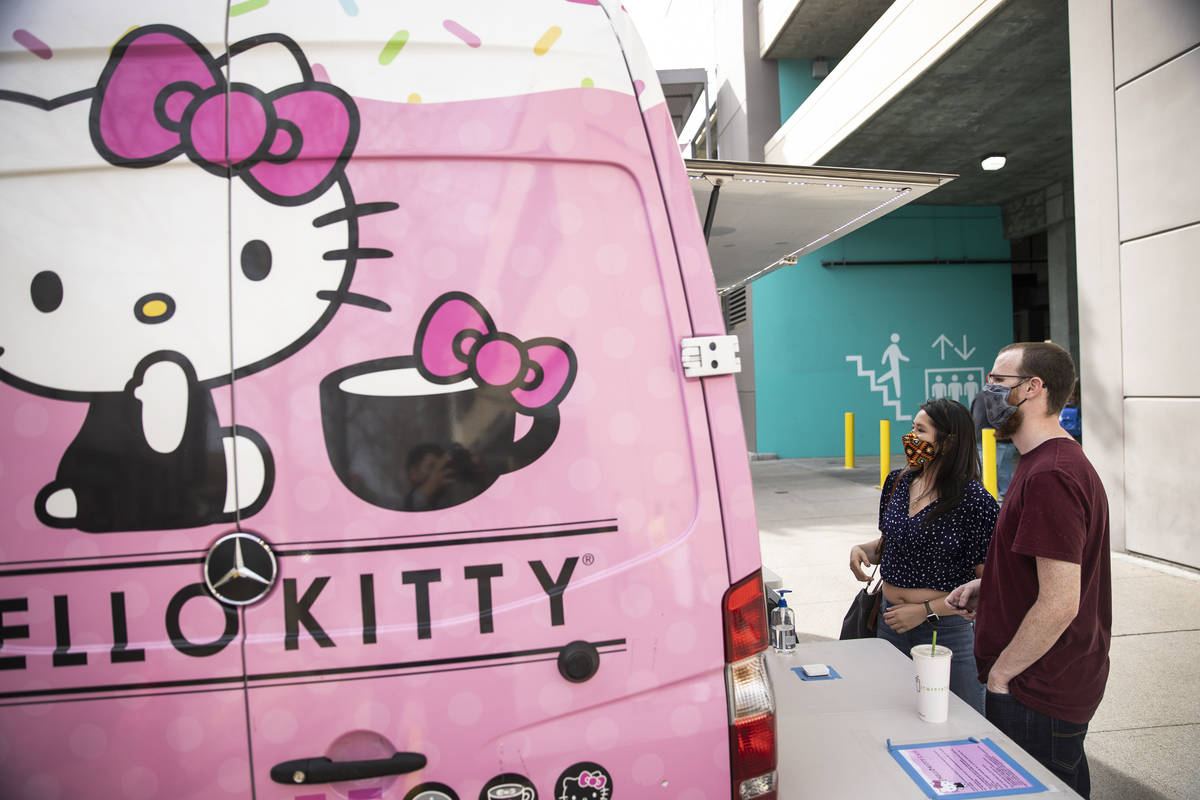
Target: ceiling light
{"x":993,"y":162}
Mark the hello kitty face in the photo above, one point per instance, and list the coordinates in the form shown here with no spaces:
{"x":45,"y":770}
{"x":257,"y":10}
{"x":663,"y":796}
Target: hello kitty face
{"x":99,"y":273}
{"x":587,"y":785}
{"x":157,"y":255}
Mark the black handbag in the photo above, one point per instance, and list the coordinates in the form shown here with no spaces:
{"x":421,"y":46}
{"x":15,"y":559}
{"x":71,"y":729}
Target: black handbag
{"x":863,"y":615}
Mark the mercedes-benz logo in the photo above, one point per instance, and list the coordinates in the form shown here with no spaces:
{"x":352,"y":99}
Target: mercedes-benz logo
{"x":240,"y":568}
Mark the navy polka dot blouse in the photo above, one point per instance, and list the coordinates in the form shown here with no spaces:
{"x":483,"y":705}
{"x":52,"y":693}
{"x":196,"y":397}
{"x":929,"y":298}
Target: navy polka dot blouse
{"x":942,"y":555}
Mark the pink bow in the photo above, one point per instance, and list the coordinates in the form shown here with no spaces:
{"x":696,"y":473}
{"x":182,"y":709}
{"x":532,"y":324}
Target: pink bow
{"x":457,"y":339}
{"x":589,"y":779}
{"x":162,"y":94}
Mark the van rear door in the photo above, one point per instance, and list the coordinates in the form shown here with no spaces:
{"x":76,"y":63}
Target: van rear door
{"x":546,"y":614}
{"x":119,"y":676}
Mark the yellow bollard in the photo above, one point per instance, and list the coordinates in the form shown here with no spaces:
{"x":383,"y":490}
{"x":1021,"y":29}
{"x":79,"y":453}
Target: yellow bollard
{"x":989,"y":462}
{"x":849,"y":440}
{"x":885,"y":451}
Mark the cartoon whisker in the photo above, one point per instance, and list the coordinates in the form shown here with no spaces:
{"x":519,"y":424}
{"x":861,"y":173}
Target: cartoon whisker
{"x":357,"y":252}
{"x":354,"y":299}
{"x":354,"y":212}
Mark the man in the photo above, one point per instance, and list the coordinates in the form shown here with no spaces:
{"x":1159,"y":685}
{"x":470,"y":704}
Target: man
{"x":1043,"y":608}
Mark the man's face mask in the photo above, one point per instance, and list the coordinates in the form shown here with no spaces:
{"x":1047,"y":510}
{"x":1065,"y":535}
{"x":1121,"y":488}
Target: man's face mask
{"x":995,"y":403}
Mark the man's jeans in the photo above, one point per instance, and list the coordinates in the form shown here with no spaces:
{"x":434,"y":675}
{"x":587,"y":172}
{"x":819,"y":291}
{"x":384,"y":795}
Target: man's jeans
{"x":1055,"y":743}
{"x":1006,"y":463}
{"x":952,"y":631}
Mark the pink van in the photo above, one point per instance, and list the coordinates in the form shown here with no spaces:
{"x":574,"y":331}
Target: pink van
{"x":348,"y":447}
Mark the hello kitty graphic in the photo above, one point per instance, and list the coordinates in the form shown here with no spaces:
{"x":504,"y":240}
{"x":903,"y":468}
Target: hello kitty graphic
{"x":584,"y":781}
{"x":190,"y":275}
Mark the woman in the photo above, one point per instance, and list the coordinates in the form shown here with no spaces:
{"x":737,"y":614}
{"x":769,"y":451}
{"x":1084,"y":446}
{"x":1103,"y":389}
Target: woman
{"x":937,"y":521}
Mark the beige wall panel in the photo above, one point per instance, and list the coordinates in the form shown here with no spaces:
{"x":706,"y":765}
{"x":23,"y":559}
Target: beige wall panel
{"x":1150,"y":32}
{"x":1161,"y":466}
{"x":1157,"y":119}
{"x":1101,"y":365}
{"x":1160,"y":281}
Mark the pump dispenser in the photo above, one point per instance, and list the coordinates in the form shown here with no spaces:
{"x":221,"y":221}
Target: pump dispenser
{"x":783,"y":626}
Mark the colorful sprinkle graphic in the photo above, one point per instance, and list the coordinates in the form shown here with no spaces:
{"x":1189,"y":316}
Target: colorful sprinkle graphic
{"x":414,"y":98}
{"x":247,"y":7}
{"x":458,"y":30}
{"x":638,"y":86}
{"x":548,"y":39}
{"x":350,"y":7}
{"x":587,"y":83}
{"x":393,"y":47}
{"x":586,"y":2}
{"x":32,"y":43}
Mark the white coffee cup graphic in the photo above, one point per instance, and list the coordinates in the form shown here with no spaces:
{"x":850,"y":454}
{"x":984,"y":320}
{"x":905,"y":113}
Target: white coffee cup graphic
{"x":510,"y":791}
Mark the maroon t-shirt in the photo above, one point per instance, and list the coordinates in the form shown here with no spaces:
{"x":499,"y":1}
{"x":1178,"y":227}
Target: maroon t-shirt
{"x":1056,"y":508}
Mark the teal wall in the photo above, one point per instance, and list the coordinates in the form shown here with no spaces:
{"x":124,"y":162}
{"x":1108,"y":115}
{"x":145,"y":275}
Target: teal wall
{"x":808,"y":319}
{"x":796,"y":83}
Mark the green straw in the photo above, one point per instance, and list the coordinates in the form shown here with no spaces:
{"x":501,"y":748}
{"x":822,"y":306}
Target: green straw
{"x":933,"y":646}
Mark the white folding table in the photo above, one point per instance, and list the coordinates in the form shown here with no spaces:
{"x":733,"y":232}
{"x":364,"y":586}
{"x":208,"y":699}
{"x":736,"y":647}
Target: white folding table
{"x":832,"y":734}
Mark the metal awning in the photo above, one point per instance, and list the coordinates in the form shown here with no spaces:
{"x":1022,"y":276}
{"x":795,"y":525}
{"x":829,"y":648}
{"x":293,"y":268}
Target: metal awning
{"x":760,"y":217}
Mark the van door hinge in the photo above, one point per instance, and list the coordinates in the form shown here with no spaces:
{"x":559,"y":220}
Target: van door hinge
{"x":710,"y":355}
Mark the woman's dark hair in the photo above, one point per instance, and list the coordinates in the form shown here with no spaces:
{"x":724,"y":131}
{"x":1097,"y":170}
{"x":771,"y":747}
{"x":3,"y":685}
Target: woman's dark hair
{"x":957,"y":461}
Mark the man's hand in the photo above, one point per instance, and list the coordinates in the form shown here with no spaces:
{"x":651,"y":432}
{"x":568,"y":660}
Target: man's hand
{"x":964,"y":599}
{"x":997,"y":684}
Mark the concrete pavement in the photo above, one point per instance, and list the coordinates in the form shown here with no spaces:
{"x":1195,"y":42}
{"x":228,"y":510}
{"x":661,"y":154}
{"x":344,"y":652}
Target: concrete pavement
{"x":1144,"y":742}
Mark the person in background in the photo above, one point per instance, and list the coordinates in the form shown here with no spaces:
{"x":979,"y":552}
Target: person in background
{"x":1006,"y":453}
{"x":1070,"y":418}
{"x":1043,"y":608}
{"x":936,"y":520}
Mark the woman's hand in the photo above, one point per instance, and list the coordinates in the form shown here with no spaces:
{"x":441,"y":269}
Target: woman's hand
{"x":903,"y":617}
{"x":860,"y":563}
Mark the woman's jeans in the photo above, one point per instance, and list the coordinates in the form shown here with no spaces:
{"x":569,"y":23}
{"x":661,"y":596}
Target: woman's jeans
{"x":1055,"y":743}
{"x":952,"y":631}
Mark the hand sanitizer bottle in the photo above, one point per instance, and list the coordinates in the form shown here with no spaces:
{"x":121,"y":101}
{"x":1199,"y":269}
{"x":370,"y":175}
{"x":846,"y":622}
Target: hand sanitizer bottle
{"x":783,"y":626}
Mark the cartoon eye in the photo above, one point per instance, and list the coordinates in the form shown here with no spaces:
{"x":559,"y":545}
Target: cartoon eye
{"x":256,"y":259}
{"x":46,"y":291}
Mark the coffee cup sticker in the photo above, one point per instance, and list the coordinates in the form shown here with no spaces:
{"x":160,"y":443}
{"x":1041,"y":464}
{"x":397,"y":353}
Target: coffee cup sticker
{"x":584,"y":781}
{"x":509,"y":786}
{"x":431,"y":791}
{"x":438,"y":428}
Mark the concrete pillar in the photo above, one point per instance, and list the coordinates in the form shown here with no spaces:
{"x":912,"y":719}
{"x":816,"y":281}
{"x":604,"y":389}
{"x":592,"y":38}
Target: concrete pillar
{"x":1101,"y":363}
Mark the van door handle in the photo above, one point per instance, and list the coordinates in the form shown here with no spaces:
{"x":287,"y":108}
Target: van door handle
{"x":323,"y":770}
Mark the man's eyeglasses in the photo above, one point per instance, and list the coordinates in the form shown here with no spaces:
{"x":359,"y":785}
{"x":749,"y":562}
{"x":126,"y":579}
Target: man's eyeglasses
{"x":995,"y":377}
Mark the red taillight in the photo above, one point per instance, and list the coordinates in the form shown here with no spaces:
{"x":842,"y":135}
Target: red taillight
{"x":752,"y":745}
{"x":745,"y":619}
{"x":752,"y":751}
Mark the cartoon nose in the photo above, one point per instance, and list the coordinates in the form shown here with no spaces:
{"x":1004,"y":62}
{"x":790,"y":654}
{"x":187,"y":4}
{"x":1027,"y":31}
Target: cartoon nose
{"x":154,"y":308}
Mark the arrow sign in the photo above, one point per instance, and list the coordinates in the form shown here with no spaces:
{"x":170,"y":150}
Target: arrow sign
{"x":943,"y":341}
{"x":964,"y":354}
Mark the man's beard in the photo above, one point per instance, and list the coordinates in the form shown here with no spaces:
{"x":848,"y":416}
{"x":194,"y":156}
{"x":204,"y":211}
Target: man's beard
{"x":1011,"y":425}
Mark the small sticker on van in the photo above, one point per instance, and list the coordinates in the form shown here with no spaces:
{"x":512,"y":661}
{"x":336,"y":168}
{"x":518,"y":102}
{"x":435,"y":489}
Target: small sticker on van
{"x":509,"y":786}
{"x":584,"y":781}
